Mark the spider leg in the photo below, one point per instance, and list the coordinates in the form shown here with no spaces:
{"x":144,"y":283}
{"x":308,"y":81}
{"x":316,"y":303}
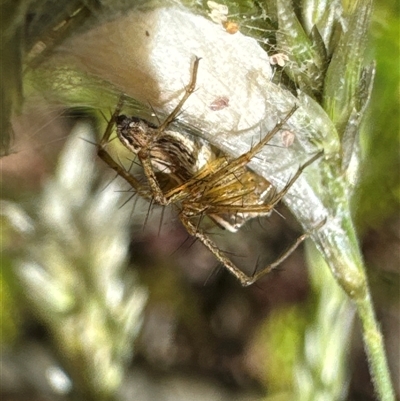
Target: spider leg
{"x":106,"y":136}
{"x":157,"y":192}
{"x":244,"y":279}
{"x":245,"y":158}
{"x":269,"y":204}
{"x":286,"y":188}
{"x":267,"y":269}
{"x":257,"y":275}
{"x":188,"y":91}
{"x":213,"y":248}
{"x":144,"y":154}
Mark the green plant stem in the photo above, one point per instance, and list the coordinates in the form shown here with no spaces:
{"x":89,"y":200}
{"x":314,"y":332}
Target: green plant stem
{"x":374,"y":347}
{"x":343,"y":256}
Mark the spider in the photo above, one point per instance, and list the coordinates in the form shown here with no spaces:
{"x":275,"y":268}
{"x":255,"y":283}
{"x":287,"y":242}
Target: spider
{"x":200,"y":181}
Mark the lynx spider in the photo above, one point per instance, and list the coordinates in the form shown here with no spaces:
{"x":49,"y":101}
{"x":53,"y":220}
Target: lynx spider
{"x":197,"y":196}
